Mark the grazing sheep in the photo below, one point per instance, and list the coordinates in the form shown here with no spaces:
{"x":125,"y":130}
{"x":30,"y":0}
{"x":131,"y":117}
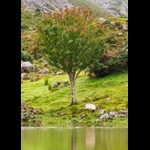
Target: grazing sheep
{"x":90,"y":107}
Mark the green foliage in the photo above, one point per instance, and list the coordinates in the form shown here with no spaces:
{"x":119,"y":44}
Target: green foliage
{"x":29,"y":42}
{"x":46,"y":80}
{"x":26,"y":57}
{"x":115,"y":57}
{"x":66,"y":82}
{"x":109,"y":65}
{"x":111,"y":40}
{"x":70,"y":40}
{"x":50,"y":86}
{"x":24,"y":27}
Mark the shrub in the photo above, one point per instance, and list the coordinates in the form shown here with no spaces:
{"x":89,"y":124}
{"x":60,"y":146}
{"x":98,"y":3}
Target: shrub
{"x":110,"y":65}
{"x":24,"y":27}
{"x":46,"y":81}
{"x":26,"y":57}
{"x":49,"y":86}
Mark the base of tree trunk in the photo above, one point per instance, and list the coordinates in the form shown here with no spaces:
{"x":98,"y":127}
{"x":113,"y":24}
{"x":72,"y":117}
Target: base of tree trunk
{"x":73,"y":103}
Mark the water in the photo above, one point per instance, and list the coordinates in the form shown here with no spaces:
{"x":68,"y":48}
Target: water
{"x":74,"y":139}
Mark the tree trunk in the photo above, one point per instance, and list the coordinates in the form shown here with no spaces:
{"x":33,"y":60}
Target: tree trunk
{"x":73,"y":88}
{"x":73,"y":142}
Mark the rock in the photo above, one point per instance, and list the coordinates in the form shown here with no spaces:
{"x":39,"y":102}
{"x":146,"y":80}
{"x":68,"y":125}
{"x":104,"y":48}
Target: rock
{"x":31,"y":79}
{"x":124,"y":112}
{"x":103,"y":21}
{"x":123,"y":12}
{"x":83,"y":115}
{"x":122,"y":115}
{"x":45,"y":5}
{"x":44,"y":71}
{"x":102,"y":112}
{"x":113,"y":23}
{"x":59,"y":73}
{"x":104,"y":116}
{"x":125,"y":27}
{"x":24,"y":76}
{"x":112,"y":114}
{"x":38,"y":69}
{"x":97,"y":120}
{"x":53,"y":74}
{"x":45,"y":64}
{"x":28,"y":112}
{"x":108,"y":98}
{"x":56,"y":84}
{"x":111,"y":5}
{"x":120,"y":33}
{"x":27,"y":67}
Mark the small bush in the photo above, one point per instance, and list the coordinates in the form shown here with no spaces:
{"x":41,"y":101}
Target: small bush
{"x":26,"y":57}
{"x":24,"y":27}
{"x":110,"y":65}
{"x":66,"y":82}
{"x":49,"y":86}
{"x":46,"y":81}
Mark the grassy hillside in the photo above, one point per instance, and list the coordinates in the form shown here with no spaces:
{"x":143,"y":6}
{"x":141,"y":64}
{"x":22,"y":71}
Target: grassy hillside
{"x":55,"y":103}
{"x":97,"y":10}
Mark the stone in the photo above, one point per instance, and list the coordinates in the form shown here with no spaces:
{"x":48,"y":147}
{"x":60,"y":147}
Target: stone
{"x":120,"y":33}
{"x":112,"y":114}
{"x":103,"y":21}
{"x":27,"y":67}
{"x":125,"y":27}
{"x":113,"y":23}
{"x":108,"y":98}
{"x":44,"y":71}
{"x":102,"y":111}
{"x":56,"y":84}
{"x":24,"y":76}
{"x":59,"y":73}
{"x":104,"y":116}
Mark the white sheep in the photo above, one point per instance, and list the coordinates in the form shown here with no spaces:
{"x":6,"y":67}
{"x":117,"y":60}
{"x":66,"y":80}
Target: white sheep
{"x":90,"y":107}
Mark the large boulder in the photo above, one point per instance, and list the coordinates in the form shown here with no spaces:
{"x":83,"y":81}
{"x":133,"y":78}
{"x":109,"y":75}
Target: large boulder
{"x":27,"y":67}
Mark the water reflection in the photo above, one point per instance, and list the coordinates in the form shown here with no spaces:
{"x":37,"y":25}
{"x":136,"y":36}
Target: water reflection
{"x":90,"y":139}
{"x":74,"y":139}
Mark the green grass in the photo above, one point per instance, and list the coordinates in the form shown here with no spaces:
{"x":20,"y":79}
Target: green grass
{"x":55,"y":104}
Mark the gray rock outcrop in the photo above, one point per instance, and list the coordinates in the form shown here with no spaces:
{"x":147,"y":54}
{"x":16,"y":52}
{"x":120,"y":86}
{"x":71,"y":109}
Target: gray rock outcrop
{"x":27,"y":67}
{"x":104,"y":116}
{"x":45,"y":5}
{"x":115,"y":7}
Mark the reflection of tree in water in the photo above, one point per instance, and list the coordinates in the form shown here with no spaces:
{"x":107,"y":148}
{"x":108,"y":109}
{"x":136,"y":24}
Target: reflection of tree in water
{"x":90,"y":139}
{"x":73,"y":140}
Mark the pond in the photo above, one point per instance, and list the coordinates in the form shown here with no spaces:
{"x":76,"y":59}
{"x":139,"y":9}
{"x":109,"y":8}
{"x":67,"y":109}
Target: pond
{"x":74,"y":138}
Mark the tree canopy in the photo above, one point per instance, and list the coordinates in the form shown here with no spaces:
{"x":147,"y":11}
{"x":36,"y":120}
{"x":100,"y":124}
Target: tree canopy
{"x":70,"y":39}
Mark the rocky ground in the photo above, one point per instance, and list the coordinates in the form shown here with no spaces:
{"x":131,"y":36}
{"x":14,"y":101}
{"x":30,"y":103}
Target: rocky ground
{"x":114,"y":7}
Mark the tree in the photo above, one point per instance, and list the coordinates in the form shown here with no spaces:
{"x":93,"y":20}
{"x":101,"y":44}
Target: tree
{"x":70,"y":40}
